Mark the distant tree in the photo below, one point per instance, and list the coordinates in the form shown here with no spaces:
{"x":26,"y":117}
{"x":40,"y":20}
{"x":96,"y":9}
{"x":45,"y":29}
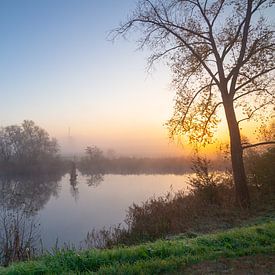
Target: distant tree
{"x":93,"y":161}
{"x":26,"y":145}
{"x":222,"y":54}
{"x":94,"y":153}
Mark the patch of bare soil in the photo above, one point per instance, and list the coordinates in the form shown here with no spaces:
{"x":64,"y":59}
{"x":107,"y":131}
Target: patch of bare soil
{"x":249,"y":265}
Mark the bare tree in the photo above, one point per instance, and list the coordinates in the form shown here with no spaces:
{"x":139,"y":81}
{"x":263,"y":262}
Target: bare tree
{"x":222,"y":54}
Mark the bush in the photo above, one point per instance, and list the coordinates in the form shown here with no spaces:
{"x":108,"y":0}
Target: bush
{"x":209,"y":186}
{"x":18,"y":236}
{"x":260,"y":171}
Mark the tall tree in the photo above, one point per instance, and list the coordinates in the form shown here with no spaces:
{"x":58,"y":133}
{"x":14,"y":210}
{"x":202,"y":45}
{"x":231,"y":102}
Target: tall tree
{"x":222,"y":54}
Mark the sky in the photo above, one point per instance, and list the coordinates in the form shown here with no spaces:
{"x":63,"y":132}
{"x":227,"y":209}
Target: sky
{"x":59,"y":69}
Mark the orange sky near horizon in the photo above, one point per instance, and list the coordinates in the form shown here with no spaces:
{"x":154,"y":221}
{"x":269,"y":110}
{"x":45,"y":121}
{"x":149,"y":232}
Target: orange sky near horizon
{"x":141,"y":139}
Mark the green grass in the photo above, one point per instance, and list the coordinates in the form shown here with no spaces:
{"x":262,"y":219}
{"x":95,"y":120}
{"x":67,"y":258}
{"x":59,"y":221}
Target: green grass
{"x":157,"y":257}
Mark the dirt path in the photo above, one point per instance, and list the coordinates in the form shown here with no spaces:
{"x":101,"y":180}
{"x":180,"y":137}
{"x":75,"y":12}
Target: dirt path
{"x":256,"y":265}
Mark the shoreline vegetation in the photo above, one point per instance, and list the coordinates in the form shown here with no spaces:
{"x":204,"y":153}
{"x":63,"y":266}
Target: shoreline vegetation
{"x":162,"y":256}
{"x":209,"y":205}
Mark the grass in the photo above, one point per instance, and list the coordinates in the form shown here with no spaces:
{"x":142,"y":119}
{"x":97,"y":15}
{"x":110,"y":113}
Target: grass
{"x":162,"y":256}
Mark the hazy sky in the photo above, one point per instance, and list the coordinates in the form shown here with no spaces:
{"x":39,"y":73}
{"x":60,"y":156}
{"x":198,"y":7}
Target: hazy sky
{"x":58,"y":69}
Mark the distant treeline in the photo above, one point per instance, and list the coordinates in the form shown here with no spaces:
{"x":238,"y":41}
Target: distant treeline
{"x":132,"y":165}
{"x":95,"y":162}
{"x":28,"y":149}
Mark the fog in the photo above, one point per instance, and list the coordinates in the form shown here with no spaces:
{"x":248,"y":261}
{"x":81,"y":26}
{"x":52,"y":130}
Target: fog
{"x":152,"y":147}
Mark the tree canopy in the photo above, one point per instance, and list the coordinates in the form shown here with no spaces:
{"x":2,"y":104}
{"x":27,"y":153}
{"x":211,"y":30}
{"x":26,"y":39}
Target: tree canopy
{"x":26,"y":145}
{"x":221,"y":53}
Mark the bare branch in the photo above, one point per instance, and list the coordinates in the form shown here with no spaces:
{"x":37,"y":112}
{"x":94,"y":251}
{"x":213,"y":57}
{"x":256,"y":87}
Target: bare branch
{"x":190,"y":104}
{"x":254,"y":77}
{"x":236,"y":69}
{"x":209,"y":117}
{"x":214,"y":46}
{"x":250,"y":92}
{"x":253,"y":112}
{"x":192,"y":50}
{"x":155,"y":57}
{"x":217,"y":14}
{"x":258,"y":144}
{"x":255,"y":50}
{"x":231,"y":43}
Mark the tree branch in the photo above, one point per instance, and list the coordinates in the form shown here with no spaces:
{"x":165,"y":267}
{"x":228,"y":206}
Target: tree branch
{"x":258,"y":144}
{"x":214,"y":46}
{"x":230,"y":45}
{"x":254,"y":77}
{"x":264,"y":90}
{"x":209,"y":117}
{"x":253,"y":112}
{"x":155,"y":57}
{"x":217,"y":14}
{"x":235,"y":71}
{"x":254,"y":50}
{"x":190,"y":103}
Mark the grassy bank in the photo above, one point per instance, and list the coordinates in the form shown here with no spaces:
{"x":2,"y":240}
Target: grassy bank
{"x":163,"y":256}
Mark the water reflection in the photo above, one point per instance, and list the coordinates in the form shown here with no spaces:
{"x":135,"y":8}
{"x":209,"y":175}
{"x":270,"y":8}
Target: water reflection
{"x":68,"y":209}
{"x":73,"y":174}
{"x":21,"y":198}
{"x":74,"y":189}
{"x":32,"y":193}
{"x":95,"y":180}
{"x":28,"y":193}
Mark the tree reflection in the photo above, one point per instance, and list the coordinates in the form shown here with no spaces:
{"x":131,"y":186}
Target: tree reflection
{"x":21,"y":198}
{"x":29,"y":194}
{"x":95,"y":179}
{"x":74,"y":189}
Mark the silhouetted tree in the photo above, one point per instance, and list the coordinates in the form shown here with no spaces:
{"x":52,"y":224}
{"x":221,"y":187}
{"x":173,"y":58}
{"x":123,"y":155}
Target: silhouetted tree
{"x":221,"y":54}
{"x":25,"y":146}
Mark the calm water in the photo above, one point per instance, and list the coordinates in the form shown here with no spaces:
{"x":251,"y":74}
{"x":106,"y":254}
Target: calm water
{"x":67,"y":211}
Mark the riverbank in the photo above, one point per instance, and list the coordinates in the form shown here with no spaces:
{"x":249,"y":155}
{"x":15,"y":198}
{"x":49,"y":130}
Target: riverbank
{"x":163,"y":256}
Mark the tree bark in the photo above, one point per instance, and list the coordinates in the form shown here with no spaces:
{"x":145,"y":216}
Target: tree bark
{"x":239,"y":176}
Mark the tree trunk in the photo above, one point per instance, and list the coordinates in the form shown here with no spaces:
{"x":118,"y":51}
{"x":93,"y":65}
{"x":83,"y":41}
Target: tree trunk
{"x":239,"y":176}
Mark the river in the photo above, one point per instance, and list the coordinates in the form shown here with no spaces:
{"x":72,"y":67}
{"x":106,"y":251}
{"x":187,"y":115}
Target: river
{"x":67,"y":210}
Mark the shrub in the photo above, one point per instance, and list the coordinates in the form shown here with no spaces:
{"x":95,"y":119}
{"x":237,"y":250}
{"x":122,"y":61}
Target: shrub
{"x":209,"y":186}
{"x":19,"y":234}
{"x":260,"y":171}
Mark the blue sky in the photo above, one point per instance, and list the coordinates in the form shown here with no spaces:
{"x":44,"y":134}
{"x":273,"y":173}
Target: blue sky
{"x":59,"y":69}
